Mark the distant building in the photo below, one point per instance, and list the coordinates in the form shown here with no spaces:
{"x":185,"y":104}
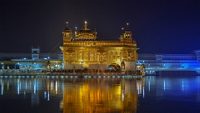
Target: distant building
{"x":35,"y":61}
{"x":35,"y":53}
{"x":82,"y":50}
{"x":197,"y":53}
{"x":173,"y":62}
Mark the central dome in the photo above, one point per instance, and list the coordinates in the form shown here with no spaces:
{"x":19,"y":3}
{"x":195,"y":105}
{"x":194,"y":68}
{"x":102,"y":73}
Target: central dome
{"x":85,"y":33}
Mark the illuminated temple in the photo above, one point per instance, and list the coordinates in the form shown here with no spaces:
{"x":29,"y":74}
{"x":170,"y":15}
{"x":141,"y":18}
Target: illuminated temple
{"x":83,"y":50}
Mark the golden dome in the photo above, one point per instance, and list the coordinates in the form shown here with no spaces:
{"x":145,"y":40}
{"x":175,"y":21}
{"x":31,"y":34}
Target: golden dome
{"x":86,"y":33}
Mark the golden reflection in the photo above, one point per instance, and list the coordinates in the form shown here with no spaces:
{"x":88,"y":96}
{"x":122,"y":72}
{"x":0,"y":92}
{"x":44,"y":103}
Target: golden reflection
{"x":100,"y":96}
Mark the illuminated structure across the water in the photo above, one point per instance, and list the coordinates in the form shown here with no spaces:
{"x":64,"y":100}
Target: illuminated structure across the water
{"x":81,"y":50}
{"x":170,"y":62}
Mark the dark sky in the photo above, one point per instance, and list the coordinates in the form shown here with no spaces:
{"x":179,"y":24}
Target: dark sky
{"x":159,"y":26}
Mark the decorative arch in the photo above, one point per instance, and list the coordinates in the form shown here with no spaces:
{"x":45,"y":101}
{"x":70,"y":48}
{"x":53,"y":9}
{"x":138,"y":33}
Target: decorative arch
{"x":114,"y":67}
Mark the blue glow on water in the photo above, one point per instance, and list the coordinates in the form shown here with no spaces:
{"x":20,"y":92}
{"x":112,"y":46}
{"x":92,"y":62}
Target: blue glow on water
{"x":171,"y":95}
{"x":149,"y":86}
{"x":164,"y":85}
{"x":176,"y":86}
{"x":2,"y":87}
{"x":182,"y":85}
{"x":35,"y":87}
{"x":48,"y":96}
{"x":45,"y":95}
{"x":154,"y":94}
{"x":18,"y":86}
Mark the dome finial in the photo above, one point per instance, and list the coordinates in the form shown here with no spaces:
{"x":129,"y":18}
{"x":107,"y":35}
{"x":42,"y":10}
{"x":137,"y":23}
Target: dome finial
{"x":127,"y":23}
{"x":85,"y":25}
{"x":76,"y":28}
{"x":67,"y":23}
{"x":127,"y":27}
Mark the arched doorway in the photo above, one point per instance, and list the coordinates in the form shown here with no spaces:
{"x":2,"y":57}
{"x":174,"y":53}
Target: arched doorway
{"x":114,"y":67}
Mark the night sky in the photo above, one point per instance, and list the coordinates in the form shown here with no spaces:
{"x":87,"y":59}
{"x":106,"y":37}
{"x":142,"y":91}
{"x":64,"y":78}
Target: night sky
{"x":159,"y":26}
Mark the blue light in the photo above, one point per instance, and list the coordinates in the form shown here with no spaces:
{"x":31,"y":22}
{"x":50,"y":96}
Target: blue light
{"x":34,"y":87}
{"x":164,"y":85}
{"x":18,"y":86}
{"x":182,"y":85}
{"x":149,"y":86}
{"x":48,"y":96}
{"x":45,"y":94}
{"x":2,"y":88}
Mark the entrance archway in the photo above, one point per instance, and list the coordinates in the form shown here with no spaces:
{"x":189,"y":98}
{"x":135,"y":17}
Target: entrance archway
{"x":114,"y":67}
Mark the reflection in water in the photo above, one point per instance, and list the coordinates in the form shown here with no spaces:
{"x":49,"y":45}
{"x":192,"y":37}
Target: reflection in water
{"x":2,"y":87}
{"x":172,"y":86}
{"x":34,"y":87}
{"x":170,"y":94}
{"x":78,"y":96}
{"x":148,"y":95}
{"x":100,"y":96}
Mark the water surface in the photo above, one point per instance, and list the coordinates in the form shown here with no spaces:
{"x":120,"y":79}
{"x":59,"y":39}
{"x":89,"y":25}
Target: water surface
{"x":148,"y":95}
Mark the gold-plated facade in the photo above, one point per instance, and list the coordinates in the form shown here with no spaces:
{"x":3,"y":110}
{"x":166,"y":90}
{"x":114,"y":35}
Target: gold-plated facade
{"x":81,"y":49}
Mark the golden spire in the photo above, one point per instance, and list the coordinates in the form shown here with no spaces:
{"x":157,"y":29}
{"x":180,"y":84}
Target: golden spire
{"x":85,"y":25}
{"x":76,"y":28}
{"x":127,"y":24}
{"x":67,"y":25}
